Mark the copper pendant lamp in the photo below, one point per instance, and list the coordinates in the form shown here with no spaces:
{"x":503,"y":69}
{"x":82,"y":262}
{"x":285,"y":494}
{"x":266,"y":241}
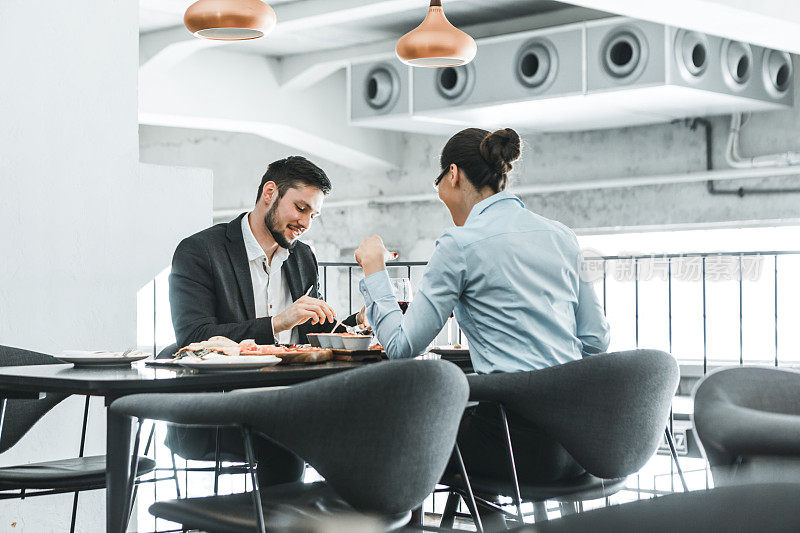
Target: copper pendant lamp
{"x":230,"y":20}
{"x":436,"y":42}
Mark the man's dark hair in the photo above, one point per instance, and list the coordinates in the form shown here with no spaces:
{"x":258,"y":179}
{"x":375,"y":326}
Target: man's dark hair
{"x":294,"y":171}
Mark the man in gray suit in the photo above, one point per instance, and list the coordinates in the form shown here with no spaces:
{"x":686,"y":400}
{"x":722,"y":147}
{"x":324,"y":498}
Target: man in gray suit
{"x":252,"y":279}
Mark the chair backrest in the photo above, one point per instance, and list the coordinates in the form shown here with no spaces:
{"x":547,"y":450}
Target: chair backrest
{"x":608,"y":411}
{"x":21,"y":415}
{"x":380,"y":435}
{"x":748,"y":411}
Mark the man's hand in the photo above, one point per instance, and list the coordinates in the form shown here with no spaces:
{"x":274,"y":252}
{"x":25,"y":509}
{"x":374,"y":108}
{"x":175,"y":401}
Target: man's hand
{"x":301,"y":311}
{"x":361,"y":318}
{"x":370,"y":255}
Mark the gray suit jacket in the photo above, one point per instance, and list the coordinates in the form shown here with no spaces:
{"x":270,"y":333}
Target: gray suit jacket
{"x":211,"y":293}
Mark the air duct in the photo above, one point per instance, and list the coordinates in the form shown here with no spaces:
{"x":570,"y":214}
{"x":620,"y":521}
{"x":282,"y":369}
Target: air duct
{"x":777,"y":73}
{"x":379,"y":96}
{"x":606,"y":73}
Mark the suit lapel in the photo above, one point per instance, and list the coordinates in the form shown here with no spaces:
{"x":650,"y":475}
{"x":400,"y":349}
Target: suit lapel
{"x":241,"y":269}
{"x":291,"y":273}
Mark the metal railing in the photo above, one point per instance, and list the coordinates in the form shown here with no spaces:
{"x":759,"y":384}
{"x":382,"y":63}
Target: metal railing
{"x":734,"y":273}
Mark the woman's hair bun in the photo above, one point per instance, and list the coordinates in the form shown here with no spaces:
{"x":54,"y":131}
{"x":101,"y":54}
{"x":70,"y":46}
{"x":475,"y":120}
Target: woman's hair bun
{"x":501,"y":148}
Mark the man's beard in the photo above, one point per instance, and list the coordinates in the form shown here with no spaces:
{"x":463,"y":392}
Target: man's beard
{"x":270,"y":219}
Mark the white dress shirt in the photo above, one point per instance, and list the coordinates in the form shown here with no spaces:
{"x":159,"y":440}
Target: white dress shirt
{"x":270,"y":289}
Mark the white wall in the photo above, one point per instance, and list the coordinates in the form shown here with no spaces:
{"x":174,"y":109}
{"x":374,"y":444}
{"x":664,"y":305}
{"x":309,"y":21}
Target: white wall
{"x":82,"y":225}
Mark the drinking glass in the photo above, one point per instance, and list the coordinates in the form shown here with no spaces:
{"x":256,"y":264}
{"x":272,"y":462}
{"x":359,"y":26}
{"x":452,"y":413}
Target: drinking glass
{"x":402,"y":290}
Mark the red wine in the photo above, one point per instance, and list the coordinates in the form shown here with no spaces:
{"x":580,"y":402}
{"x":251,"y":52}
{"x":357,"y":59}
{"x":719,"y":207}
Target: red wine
{"x":403,"y":306}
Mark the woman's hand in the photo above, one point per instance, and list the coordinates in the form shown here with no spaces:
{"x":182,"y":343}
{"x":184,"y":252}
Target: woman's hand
{"x":370,"y":255}
{"x":361,"y":318}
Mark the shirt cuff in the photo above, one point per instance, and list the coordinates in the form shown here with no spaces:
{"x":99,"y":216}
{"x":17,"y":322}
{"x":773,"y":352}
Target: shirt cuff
{"x":376,"y":286}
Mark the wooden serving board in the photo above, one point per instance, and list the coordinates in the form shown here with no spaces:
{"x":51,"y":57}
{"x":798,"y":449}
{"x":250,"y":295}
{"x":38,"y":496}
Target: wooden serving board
{"x":317,"y":356}
{"x":358,"y":355}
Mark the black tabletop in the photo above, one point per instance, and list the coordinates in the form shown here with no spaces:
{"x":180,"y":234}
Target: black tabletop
{"x":138,"y":378}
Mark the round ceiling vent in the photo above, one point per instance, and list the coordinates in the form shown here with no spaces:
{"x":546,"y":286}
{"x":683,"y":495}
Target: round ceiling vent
{"x":777,"y":72}
{"x":381,"y":87}
{"x":454,"y":84}
{"x":737,"y":63}
{"x":537,"y":64}
{"x":624,"y":53}
{"x":691,"y":53}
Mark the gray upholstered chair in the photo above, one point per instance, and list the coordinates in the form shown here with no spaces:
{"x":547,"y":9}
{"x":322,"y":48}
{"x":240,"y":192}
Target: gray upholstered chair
{"x":380,"y":436}
{"x":607,"y":411}
{"x":51,"y":477}
{"x":748,"y":421}
{"x":744,"y":509}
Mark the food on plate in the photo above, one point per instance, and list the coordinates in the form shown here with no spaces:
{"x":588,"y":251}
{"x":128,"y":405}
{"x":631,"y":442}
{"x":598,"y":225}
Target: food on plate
{"x":366,"y":331}
{"x":376,"y":346}
{"x":213,"y":347}
{"x":225,"y":347}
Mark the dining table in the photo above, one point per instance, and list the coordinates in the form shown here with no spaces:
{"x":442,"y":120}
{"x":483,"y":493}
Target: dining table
{"x":111,"y":383}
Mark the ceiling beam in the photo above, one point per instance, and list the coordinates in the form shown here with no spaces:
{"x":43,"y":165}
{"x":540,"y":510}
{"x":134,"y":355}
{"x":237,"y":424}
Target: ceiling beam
{"x":242,"y":95}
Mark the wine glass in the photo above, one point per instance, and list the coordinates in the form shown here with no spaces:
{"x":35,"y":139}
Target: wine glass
{"x":402,"y":290}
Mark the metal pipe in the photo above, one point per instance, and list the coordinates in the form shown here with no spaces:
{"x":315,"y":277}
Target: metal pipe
{"x":735,"y":160}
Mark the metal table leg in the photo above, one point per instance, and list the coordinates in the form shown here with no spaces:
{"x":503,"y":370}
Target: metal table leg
{"x":118,"y":452}
{"x":80,"y":454}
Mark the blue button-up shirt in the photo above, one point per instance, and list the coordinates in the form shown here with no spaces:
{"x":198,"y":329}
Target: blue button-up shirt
{"x":513,"y":278}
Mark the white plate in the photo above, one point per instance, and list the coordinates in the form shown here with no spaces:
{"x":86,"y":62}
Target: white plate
{"x":242,"y":362}
{"x":83,"y":358}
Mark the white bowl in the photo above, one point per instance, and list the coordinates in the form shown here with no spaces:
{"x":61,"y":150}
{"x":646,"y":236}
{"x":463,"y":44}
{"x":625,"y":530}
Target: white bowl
{"x":359,"y":342}
{"x":336,"y":341}
{"x":313,"y":339}
{"x":324,"y":340}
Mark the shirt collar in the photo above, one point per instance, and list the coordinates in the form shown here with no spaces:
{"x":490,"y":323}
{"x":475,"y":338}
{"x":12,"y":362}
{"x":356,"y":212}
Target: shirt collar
{"x":486,"y":203}
{"x":254,"y":250}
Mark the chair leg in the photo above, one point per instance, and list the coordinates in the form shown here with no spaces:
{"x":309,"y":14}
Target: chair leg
{"x":511,"y":464}
{"x":80,"y":454}
{"x":540,"y":512}
{"x":417,"y":518}
{"x":175,"y":477}
{"x":567,"y":508}
{"x":216,"y":461}
{"x":133,"y":473}
{"x":674,"y":453}
{"x":449,"y":514}
{"x":146,"y":451}
{"x":470,"y":501}
{"x":251,"y":459}
{"x":149,"y":439}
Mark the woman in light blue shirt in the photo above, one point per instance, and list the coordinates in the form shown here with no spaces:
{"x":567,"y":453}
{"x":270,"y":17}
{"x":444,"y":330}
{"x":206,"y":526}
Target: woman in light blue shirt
{"x":513,"y":280}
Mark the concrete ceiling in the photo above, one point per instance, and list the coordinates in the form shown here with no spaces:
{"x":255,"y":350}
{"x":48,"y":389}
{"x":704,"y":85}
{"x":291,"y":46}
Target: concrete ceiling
{"x":316,"y":25}
{"x":289,"y":87}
